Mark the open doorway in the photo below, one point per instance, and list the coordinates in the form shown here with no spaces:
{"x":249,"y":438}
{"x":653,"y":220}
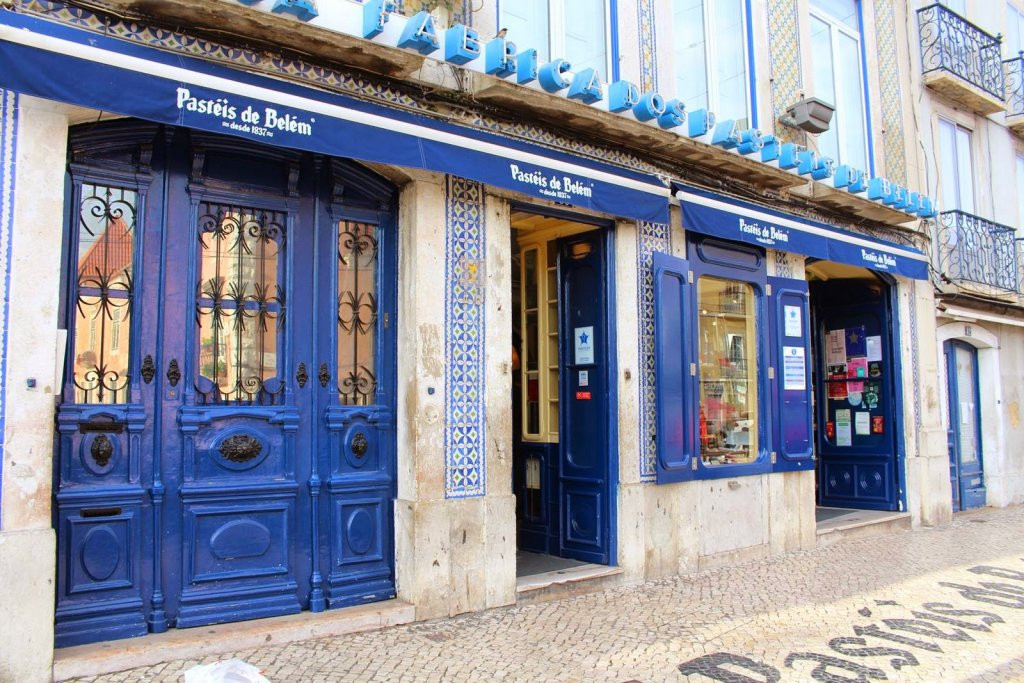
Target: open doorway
{"x":560,"y":394}
{"x":857,"y":416}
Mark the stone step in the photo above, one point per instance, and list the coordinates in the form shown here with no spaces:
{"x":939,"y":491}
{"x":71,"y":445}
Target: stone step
{"x":202,"y":641}
{"x":860,"y":524}
{"x":565,"y":583}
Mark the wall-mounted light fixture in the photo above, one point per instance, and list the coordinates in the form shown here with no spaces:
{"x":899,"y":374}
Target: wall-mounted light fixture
{"x":809,"y":114}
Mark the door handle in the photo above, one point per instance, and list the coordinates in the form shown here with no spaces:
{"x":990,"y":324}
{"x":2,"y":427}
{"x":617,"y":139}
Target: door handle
{"x":324,"y":375}
{"x":173,"y":372}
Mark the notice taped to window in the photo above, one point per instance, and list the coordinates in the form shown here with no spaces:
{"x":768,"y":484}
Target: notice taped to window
{"x":794,"y":368}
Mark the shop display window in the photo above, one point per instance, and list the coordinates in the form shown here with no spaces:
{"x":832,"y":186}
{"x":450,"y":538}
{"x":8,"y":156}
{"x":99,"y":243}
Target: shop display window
{"x":727,"y":333}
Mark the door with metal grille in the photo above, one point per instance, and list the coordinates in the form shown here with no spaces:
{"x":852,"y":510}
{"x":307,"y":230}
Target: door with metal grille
{"x":226,"y":434}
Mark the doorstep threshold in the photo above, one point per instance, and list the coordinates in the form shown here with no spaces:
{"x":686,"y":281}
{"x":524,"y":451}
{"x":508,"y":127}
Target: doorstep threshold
{"x":560,"y":577}
{"x":859,"y":518}
{"x":202,"y":641}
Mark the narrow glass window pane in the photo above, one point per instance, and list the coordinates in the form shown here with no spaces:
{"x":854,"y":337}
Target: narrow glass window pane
{"x":690,"y":53}
{"x":843,"y":11}
{"x":958,"y":6}
{"x":947,"y":165}
{"x":357,"y":313}
{"x":849,"y":116}
{"x":106,"y":251}
{"x":823,"y":69}
{"x":727,"y":347}
{"x":531,"y":342}
{"x":527,"y":25}
{"x":1020,"y":196}
{"x":730,"y":58}
{"x":964,"y":174}
{"x":240,"y":304}
{"x":1011,"y":41}
{"x":967,"y":429}
{"x":586,"y":41}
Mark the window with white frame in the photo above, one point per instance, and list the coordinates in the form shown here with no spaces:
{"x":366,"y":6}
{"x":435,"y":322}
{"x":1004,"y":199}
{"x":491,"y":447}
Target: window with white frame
{"x":1020,"y":195}
{"x":709,"y":50}
{"x":956,"y":176}
{"x":958,"y":6}
{"x":576,"y":30}
{"x":838,"y":79}
{"x":1012,"y":41}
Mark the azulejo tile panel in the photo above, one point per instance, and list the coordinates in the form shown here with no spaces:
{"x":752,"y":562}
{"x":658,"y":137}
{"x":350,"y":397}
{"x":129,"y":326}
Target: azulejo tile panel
{"x":648,"y":45}
{"x":651,"y":237}
{"x":784,"y":57}
{"x":465,"y":290}
{"x":893,"y":143}
{"x":8,"y":148}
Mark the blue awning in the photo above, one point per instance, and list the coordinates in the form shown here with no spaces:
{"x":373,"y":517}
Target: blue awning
{"x":714,"y":214}
{"x":71,"y":65}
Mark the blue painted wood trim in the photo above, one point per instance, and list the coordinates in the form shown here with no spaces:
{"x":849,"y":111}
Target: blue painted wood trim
{"x":897,"y":392}
{"x":613,"y":30}
{"x":612,"y":480}
{"x":8,"y":162}
{"x":866,"y":89}
{"x":751,"y":66}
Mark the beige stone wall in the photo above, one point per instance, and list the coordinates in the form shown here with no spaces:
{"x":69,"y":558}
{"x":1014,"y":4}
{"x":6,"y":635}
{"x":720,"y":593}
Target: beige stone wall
{"x":27,"y":541}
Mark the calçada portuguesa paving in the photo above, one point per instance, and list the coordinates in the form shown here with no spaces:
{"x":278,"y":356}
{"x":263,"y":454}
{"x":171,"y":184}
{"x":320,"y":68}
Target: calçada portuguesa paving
{"x":933,"y":604}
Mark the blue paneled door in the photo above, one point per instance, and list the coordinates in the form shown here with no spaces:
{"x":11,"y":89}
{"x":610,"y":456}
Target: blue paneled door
{"x":583,"y":430}
{"x":964,"y":433}
{"x":856,"y":427}
{"x":239,"y":462}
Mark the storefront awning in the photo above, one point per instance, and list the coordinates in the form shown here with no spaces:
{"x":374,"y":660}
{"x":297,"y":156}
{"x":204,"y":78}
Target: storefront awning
{"x":728,"y":218}
{"x":70,"y":65}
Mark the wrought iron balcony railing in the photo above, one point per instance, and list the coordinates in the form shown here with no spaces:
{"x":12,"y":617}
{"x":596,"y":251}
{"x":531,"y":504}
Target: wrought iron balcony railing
{"x":1013,"y":74}
{"x":972,"y":249}
{"x":951,"y":43}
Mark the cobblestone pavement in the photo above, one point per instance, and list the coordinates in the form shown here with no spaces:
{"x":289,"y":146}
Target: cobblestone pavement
{"x":943,"y":604}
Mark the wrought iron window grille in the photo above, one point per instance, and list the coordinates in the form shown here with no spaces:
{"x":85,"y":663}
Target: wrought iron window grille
{"x":951,"y":43}
{"x":975,"y":250}
{"x":1013,"y":72}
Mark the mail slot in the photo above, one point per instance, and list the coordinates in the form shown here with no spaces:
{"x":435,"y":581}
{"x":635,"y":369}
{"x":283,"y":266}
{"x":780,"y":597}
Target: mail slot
{"x":101,"y":512}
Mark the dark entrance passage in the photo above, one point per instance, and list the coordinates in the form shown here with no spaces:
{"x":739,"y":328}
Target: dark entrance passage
{"x":856,"y":426}
{"x":226,"y":446}
{"x":560,"y":388}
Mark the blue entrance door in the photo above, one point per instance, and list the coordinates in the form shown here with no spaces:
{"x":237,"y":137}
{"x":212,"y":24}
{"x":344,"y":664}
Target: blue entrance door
{"x":230,"y":456}
{"x":583,"y":465}
{"x":856,"y":428}
{"x":964,"y":432}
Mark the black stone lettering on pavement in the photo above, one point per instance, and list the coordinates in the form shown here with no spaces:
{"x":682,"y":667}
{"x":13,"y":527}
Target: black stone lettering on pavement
{"x":990,"y":592}
{"x":821,"y":672}
{"x":711,"y":666}
{"x":900,"y":657}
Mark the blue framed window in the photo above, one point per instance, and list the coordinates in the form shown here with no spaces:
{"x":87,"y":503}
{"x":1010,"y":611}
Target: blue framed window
{"x":837,"y":69}
{"x":710,"y":55}
{"x":732,"y":359}
{"x":578,"y":31}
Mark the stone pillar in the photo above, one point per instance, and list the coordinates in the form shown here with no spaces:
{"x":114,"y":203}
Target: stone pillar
{"x":455,"y":515}
{"x":33,"y":148}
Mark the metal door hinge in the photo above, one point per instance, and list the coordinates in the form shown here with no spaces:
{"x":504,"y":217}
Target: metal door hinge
{"x":693,"y":464}
{"x":771,"y":372}
{"x":693,"y":369}
{"x":387,"y":320}
{"x":768,"y":290}
{"x":689,"y":276}
{"x":774,"y":458}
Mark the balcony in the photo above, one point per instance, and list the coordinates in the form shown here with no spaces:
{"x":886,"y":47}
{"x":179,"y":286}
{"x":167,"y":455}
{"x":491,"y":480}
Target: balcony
{"x":977,"y":253}
{"x":960,"y":60}
{"x":1013,"y":72}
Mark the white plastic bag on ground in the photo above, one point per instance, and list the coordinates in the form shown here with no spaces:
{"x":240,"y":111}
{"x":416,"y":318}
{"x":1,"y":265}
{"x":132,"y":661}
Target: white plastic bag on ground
{"x":228,"y":671}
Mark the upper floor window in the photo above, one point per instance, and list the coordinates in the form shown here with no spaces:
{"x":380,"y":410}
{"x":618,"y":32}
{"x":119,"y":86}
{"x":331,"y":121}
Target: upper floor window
{"x":955,"y":173}
{"x":838,"y":79}
{"x":1020,"y":194}
{"x":958,"y":6}
{"x":1013,"y":42}
{"x":709,"y":51}
{"x":581,"y":37}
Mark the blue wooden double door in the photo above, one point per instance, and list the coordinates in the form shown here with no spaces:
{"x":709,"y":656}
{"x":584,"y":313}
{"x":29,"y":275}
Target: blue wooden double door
{"x":225,"y":440}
